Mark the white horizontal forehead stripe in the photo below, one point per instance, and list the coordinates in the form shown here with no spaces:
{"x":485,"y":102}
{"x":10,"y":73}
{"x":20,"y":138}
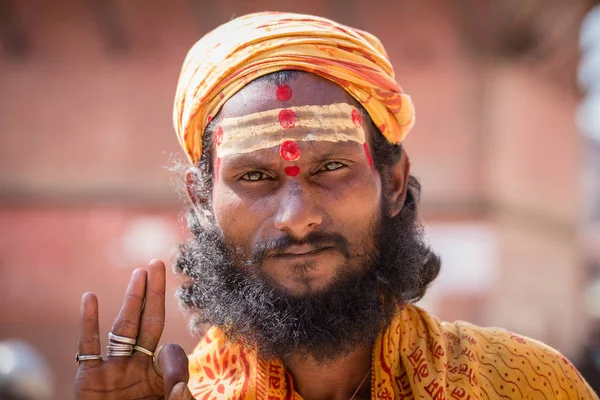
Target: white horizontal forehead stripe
{"x":332,"y":123}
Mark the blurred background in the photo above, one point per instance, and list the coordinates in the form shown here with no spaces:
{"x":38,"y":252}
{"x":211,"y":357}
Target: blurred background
{"x":507,"y":146}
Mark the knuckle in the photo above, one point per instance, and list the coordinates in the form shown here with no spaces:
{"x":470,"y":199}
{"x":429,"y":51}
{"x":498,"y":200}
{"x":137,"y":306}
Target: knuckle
{"x":125,"y":324}
{"x":135,"y":297}
{"x":156,"y":292}
{"x":154,"y":321}
{"x":90,"y":318}
{"x":91,"y":339}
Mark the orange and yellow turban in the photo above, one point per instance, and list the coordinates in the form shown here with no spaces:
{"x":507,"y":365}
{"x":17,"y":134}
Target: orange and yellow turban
{"x":235,"y":53}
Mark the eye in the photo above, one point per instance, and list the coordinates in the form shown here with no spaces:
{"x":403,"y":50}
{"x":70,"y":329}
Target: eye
{"x":331,"y":166}
{"x":255,"y":176}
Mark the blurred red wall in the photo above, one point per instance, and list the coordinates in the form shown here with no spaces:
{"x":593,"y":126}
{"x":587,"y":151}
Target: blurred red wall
{"x":86,"y":138}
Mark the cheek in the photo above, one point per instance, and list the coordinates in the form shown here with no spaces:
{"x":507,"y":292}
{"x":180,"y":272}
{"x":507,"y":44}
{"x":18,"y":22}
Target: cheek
{"x":226,"y":209}
{"x":356,"y":201}
{"x":239,"y":219}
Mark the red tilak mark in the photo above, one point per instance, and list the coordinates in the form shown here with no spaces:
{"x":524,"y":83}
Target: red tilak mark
{"x":287,"y":119}
{"x":217,"y":168}
{"x":219,"y":135}
{"x":283,"y":93}
{"x":356,"y":118}
{"x":292,"y":171}
{"x":368,"y":154}
{"x":289,"y":150}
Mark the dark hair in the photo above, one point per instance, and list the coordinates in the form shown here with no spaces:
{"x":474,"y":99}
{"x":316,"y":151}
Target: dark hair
{"x":385,"y":156}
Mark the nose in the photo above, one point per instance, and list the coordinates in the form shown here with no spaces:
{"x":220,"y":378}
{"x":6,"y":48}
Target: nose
{"x":298,"y":213}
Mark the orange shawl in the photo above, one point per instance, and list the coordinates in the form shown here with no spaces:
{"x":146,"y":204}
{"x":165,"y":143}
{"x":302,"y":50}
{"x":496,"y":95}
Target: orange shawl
{"x":417,"y":357}
{"x":226,"y":59}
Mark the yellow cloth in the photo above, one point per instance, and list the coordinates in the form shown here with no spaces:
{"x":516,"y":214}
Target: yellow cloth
{"x":248,"y":47}
{"x":418,"y":357}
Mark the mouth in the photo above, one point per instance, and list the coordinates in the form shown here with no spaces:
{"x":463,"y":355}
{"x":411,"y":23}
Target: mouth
{"x":300,"y":251}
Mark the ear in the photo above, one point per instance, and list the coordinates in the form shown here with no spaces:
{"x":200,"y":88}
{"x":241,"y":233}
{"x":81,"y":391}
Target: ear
{"x":191,"y":187}
{"x":397,"y":183}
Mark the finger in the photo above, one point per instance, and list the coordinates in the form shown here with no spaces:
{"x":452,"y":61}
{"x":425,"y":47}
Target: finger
{"x":89,"y":339}
{"x":128,"y":322}
{"x":173,"y":363}
{"x":153,"y":315}
{"x":180,"y":392}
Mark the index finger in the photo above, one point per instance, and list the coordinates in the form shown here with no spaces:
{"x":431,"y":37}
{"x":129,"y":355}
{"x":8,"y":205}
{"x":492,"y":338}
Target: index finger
{"x":89,"y":339}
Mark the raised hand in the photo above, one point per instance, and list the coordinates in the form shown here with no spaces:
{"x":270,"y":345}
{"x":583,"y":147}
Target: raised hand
{"x":141,"y":318}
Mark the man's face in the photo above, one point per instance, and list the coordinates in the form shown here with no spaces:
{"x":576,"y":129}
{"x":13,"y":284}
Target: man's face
{"x":308,"y":252}
{"x":295,"y":191}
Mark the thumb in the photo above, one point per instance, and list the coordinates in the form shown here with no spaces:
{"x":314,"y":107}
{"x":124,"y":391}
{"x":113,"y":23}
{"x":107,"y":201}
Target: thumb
{"x":180,"y":392}
{"x":173,"y":363}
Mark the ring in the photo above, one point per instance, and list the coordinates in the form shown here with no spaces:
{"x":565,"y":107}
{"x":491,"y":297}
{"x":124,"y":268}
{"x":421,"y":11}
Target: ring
{"x":112,"y":351}
{"x":86,"y":357}
{"x":120,"y":339}
{"x":154,"y":361}
{"x":118,"y":349}
{"x":143,"y":350}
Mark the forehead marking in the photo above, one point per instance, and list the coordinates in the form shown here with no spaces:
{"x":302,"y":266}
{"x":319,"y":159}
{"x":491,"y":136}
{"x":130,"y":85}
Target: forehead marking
{"x":356,"y":118}
{"x":292,"y":171}
{"x":263,"y":130}
{"x":217,"y":168}
{"x":368,"y":154}
{"x":289,"y":150}
{"x":283,"y":93}
{"x":287,"y":118}
{"x":219,"y":135}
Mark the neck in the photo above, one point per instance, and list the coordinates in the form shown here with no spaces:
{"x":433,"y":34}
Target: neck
{"x":335,"y":380}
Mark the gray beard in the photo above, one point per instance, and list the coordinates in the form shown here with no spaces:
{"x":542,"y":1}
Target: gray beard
{"x":326,"y":325}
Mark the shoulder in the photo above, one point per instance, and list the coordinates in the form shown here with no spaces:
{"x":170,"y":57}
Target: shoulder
{"x":218,"y":367}
{"x":507,"y":363}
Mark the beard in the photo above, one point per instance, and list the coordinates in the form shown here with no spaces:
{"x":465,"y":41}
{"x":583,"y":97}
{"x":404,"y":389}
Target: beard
{"x":325,"y":325}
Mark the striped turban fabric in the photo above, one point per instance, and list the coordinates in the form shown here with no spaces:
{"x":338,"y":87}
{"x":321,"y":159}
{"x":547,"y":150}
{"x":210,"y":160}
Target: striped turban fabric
{"x":248,"y":47}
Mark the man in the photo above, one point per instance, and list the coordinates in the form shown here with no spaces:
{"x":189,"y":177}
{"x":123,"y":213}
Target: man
{"x":306,"y":250}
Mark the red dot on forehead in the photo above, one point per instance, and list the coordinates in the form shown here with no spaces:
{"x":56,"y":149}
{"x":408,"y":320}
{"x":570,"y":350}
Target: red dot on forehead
{"x":287,"y":118}
{"x":289,"y":150}
{"x":357,"y":118}
{"x":292,"y":171}
{"x":283,"y":93}
{"x":219,"y":136}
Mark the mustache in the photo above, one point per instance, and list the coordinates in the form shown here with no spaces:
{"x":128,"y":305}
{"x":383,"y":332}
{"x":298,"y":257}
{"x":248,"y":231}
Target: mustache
{"x":317,"y":240}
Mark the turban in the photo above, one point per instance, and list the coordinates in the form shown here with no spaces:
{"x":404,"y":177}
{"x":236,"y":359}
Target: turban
{"x":248,"y":47}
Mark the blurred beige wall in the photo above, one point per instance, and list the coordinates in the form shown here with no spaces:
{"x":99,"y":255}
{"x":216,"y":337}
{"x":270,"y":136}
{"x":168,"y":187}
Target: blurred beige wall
{"x":86,"y":134}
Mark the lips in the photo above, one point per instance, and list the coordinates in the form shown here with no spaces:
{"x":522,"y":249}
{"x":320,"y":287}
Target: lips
{"x":298,"y":251}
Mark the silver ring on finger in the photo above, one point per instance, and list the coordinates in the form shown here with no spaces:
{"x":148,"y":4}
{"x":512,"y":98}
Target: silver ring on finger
{"x":143,"y":350}
{"x":121,"y":339}
{"x":87,"y":357}
{"x":118,"y":354}
{"x":119,"y":346}
{"x":155,"y":361}
{"x":119,"y":350}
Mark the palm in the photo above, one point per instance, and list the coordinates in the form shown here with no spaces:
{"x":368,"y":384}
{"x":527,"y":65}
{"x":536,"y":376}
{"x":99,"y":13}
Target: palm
{"x":133,"y":379}
{"x":141,"y":318}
